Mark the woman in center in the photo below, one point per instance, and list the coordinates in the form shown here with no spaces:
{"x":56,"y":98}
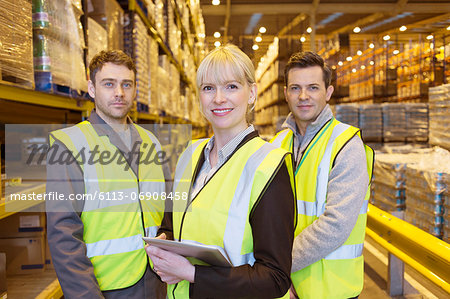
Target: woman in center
{"x":240,"y":195}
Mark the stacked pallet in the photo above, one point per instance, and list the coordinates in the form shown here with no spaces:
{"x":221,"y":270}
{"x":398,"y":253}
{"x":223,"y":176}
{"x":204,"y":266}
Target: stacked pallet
{"x":427,"y":185}
{"x":394,"y":122}
{"x":416,"y":122}
{"x":389,"y":181}
{"x":58,"y":43}
{"x":348,"y":113}
{"x":439,"y":103}
{"x":16,"y":43}
{"x":371,"y":122}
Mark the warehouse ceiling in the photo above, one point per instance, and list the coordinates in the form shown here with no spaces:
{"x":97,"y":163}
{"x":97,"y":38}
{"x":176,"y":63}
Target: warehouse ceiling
{"x":238,"y":21}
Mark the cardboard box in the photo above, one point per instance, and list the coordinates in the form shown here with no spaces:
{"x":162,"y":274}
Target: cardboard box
{"x":3,"y":275}
{"x":23,"y":225}
{"x":24,"y":255}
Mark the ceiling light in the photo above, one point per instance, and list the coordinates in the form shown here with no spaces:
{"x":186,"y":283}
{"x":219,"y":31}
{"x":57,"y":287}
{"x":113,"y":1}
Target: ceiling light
{"x":353,"y":70}
{"x":302,"y":39}
{"x":309,"y":30}
{"x":371,"y":45}
{"x":201,"y":35}
{"x":262,"y":29}
{"x":403,"y":28}
{"x":386,"y":37}
{"x":333,"y":67}
{"x":258,"y":39}
{"x":430,"y":36}
{"x":356,"y":29}
{"x":371,"y":62}
{"x":217,"y":43}
{"x":255,"y":47}
{"x":396,"y":52}
{"x":215,"y":2}
{"x":363,"y":67}
{"x":359,"y":52}
{"x":340,"y":63}
{"x":448,"y":28}
{"x":216,"y":34}
{"x":349,"y":58}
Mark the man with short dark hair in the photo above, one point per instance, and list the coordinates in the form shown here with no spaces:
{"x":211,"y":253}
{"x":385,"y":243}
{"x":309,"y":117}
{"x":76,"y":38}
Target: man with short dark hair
{"x":95,"y":233}
{"x":333,"y":171}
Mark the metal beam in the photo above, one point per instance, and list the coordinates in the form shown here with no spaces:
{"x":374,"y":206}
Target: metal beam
{"x":312,"y":24}
{"x":295,"y":21}
{"x":227,"y":21}
{"x":324,"y":8}
{"x":422,"y":24}
{"x":361,"y":22}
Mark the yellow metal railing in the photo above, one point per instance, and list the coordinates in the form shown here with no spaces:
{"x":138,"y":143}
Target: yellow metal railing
{"x":420,"y":250}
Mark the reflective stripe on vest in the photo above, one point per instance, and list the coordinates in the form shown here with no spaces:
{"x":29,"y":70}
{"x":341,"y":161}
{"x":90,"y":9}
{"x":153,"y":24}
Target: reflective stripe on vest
{"x":346,"y":252}
{"x":114,"y":246}
{"x":184,"y":161}
{"x":234,"y":231}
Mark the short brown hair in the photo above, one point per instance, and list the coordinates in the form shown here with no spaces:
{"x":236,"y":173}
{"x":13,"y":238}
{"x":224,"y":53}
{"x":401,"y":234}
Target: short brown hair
{"x":307,"y":59}
{"x":114,"y":56}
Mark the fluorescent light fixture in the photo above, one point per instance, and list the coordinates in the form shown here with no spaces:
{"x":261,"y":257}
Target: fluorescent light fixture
{"x":262,"y":29}
{"x":217,"y":34}
{"x":215,"y":2}
{"x":356,"y":29}
{"x":254,"y":20}
{"x":403,"y":28}
{"x":258,"y":39}
{"x":330,"y":18}
{"x":255,"y":47}
{"x":386,"y":21}
{"x":217,"y":44}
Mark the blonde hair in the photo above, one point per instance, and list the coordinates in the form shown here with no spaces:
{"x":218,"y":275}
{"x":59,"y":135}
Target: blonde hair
{"x":223,"y":61}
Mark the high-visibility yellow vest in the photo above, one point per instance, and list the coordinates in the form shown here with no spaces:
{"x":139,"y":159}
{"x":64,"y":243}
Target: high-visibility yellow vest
{"x":219,"y":214}
{"x":341,"y":273}
{"x":120,"y":208}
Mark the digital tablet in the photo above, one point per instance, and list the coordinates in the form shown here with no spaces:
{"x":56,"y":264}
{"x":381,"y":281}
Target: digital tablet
{"x":209,"y":254}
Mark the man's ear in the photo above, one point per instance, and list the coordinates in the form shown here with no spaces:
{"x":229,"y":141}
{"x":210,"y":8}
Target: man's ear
{"x":330,"y":90}
{"x":91,"y":89}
